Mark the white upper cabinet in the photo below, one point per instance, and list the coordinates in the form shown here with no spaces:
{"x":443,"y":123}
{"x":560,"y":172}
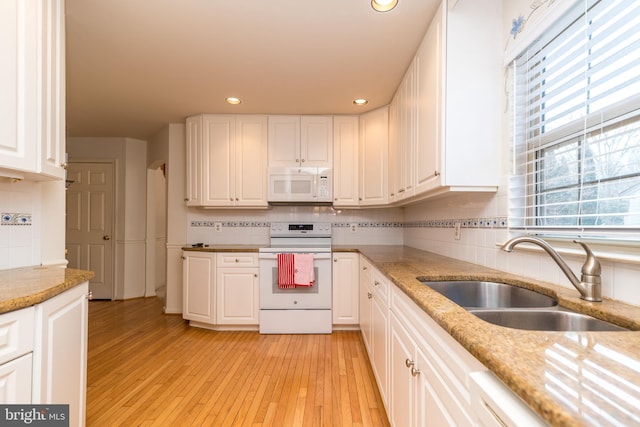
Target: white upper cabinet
{"x":32,"y":105}
{"x":374,"y":170}
{"x":446,"y":132}
{"x":227,"y":161}
{"x":345,"y":160}
{"x":301,"y":141}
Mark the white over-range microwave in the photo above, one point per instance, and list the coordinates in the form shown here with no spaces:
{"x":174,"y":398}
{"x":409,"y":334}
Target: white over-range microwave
{"x":300,"y":185}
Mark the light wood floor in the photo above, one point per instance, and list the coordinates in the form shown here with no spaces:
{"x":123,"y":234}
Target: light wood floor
{"x":147,"y":368}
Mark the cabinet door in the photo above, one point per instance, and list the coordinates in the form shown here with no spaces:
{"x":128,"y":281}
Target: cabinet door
{"x":18,"y":44}
{"x":198,"y":287}
{"x":284,"y":141}
{"x":345,"y":288}
{"x":365,"y":302}
{"x":380,"y":345}
{"x":316,"y":136}
{"x":194,"y":161}
{"x":345,"y":161}
{"x":237,"y":291}
{"x":15,"y":380}
{"x":374,"y":141}
{"x":432,"y":402}
{"x":60,"y":352}
{"x":51,"y":88}
{"x":251,"y":161}
{"x":218,"y":160}
{"x":430,"y":104}
{"x":402,"y":386}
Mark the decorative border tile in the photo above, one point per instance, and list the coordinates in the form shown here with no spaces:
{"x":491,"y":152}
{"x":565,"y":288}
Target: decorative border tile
{"x":16,"y":218}
{"x":496,"y":222}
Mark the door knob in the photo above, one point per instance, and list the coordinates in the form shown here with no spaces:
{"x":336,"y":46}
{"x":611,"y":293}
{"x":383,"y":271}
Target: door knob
{"x":106,"y":237}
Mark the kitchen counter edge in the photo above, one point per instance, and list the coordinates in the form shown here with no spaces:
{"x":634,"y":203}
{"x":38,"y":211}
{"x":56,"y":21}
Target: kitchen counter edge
{"x":27,"y":286}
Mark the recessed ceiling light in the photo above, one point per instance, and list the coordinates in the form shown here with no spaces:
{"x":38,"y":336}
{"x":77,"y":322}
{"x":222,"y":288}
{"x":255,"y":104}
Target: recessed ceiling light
{"x":232,"y":100}
{"x":360,"y":101}
{"x":383,"y":5}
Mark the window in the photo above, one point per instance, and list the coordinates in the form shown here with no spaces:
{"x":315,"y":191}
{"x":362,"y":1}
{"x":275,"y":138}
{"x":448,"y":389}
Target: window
{"x":576,"y":124}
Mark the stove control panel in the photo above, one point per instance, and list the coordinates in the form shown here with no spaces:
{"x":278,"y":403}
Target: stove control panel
{"x":301,"y":229}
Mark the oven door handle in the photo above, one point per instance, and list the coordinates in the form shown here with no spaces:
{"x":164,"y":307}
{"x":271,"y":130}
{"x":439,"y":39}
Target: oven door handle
{"x":316,"y":256}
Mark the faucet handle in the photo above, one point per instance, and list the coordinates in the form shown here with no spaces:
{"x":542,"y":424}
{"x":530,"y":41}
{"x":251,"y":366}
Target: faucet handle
{"x":591,"y":266}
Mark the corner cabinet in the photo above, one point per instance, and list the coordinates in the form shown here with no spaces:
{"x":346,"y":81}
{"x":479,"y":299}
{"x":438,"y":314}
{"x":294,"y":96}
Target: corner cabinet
{"x":32,"y":126}
{"x":60,"y":352}
{"x":221,"y":290}
{"x":374,"y":145}
{"x":345,"y":161}
{"x":227,"y":161}
{"x":445,"y":123}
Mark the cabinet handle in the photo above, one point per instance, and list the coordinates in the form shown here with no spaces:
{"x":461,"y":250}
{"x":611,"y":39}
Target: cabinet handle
{"x":183,"y":257}
{"x":237,"y":260}
{"x":408,"y":363}
{"x":186,"y":199}
{"x":90,"y":295}
{"x":436,"y":173}
{"x":369,"y":295}
{"x":415,"y":372}
{"x":376,"y":283}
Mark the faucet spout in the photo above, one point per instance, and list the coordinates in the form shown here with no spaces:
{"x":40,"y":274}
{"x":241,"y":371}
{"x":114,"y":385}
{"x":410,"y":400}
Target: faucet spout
{"x":589,"y":285}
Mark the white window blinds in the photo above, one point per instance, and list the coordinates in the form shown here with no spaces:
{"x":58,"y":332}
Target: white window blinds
{"x":576,"y":123}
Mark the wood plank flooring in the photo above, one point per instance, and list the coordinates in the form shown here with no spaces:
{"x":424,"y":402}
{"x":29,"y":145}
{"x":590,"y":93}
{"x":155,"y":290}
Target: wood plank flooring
{"x":150,"y":369}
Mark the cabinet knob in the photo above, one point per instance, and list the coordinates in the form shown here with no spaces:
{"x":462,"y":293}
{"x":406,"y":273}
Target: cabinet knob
{"x":90,"y":295}
{"x":237,"y":199}
{"x":335,"y":260}
{"x":255,"y":275}
{"x":369,"y":295}
{"x":183,"y":257}
{"x":186,"y":199}
{"x":297,"y":160}
{"x":415,"y":372}
{"x":106,"y":237}
{"x":364,"y":268}
{"x":237,"y":260}
{"x":436,"y":173}
{"x":376,"y":283}
{"x":408,"y":363}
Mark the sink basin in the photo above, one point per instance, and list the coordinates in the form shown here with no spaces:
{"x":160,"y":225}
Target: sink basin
{"x":545,"y":320}
{"x":480,"y":294}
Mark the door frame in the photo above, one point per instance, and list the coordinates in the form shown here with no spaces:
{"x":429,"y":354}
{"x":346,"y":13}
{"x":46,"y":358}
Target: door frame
{"x":114,"y":184}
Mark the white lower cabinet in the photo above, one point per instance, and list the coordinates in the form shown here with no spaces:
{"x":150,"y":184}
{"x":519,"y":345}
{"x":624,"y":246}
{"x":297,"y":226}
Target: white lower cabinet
{"x":198,"y":286}
{"x":374,"y":323}
{"x":425,"y":377}
{"x":237,"y":289}
{"x":345,"y":273}
{"x":221,"y":290}
{"x":60,"y":352}
{"x":15,"y":380}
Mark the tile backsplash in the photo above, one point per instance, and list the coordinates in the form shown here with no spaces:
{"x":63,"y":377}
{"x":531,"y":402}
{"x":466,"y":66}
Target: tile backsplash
{"x":20,"y":238}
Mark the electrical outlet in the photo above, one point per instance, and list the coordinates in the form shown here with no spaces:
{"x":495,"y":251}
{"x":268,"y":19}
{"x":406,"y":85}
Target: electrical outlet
{"x":457,"y":231}
{"x":353,"y":227}
{"x":217,"y":227}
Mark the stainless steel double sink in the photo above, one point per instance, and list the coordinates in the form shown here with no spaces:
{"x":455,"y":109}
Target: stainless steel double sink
{"x":514,"y":307}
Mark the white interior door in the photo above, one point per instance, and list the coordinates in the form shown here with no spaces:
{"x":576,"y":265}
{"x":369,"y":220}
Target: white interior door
{"x":89,"y":234}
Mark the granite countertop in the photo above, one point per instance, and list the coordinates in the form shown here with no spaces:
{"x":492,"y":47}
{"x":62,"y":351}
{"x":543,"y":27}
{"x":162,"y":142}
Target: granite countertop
{"x":24,"y":287}
{"x":568,"y":378}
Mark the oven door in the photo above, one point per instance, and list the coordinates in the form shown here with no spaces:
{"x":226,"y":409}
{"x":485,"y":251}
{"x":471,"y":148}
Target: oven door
{"x":315,"y":297}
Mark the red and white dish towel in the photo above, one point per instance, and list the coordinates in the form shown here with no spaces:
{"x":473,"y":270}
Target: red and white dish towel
{"x":295,"y":270}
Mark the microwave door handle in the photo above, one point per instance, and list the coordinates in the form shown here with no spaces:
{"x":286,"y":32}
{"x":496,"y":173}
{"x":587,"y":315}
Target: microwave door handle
{"x":315,"y":186}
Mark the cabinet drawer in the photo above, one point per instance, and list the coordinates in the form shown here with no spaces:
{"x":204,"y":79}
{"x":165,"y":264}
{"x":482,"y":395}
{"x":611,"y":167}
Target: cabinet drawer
{"x":381,"y":286}
{"x":16,"y":334}
{"x":237,"y":259}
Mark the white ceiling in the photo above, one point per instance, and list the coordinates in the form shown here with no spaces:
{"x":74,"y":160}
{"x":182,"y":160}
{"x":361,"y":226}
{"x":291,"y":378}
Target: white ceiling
{"x":135,"y":65}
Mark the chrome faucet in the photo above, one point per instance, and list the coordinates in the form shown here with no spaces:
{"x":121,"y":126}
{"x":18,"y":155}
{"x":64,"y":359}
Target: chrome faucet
{"x":589,"y":285}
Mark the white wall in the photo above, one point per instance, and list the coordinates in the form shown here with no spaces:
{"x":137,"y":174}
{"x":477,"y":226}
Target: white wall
{"x":479,"y":242}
